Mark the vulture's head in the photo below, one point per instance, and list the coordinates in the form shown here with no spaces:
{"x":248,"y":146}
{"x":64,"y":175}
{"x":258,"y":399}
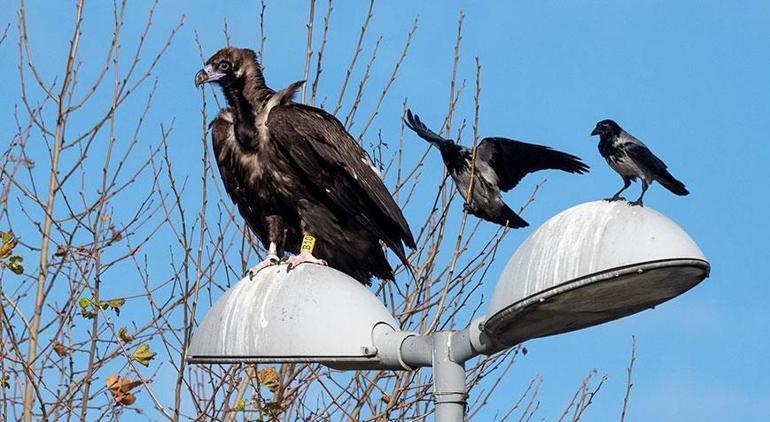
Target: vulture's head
{"x":229,"y":65}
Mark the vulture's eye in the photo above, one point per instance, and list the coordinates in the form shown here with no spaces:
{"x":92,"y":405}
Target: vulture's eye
{"x":224,"y":65}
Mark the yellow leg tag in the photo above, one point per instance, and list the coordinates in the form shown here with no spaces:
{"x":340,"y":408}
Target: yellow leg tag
{"x":308,"y":243}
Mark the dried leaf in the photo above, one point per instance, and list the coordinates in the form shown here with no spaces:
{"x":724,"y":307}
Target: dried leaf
{"x":116,"y":236}
{"x":87,"y":304}
{"x":269,"y":378}
{"x":60,"y":350}
{"x":8,"y":243}
{"x":5,"y":251}
{"x":14,"y":264}
{"x":5,"y":380}
{"x":85,"y":308}
{"x":120,"y":389}
{"x":240,"y":405}
{"x":143,"y":355}
{"x":273,"y":409}
{"x":113,"y":304}
{"x":8,"y":238}
{"x":123,"y":334}
{"x":61,"y":250}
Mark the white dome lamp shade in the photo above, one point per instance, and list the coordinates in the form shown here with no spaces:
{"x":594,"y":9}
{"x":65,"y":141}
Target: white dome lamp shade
{"x":592,"y":263}
{"x":309,"y":314}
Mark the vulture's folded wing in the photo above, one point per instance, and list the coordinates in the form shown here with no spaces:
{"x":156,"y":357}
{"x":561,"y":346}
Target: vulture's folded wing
{"x":332,"y":163}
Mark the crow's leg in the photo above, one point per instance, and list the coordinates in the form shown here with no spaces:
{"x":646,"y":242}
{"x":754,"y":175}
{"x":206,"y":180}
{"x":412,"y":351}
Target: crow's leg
{"x":617,"y":197}
{"x":639,"y":202}
{"x":276,"y":234}
{"x":306,"y":253}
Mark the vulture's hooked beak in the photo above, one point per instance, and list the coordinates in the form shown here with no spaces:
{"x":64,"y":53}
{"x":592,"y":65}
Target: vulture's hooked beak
{"x":207,"y":74}
{"x":595,"y":132}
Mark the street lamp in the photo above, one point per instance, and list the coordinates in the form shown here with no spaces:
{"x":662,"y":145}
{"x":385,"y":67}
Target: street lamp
{"x":592,"y":263}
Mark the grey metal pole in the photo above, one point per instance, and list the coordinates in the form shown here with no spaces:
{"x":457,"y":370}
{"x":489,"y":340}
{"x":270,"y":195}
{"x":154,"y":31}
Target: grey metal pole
{"x":449,"y":391}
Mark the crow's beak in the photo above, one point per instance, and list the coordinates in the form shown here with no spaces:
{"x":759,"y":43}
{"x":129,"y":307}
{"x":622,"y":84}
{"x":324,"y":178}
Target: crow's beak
{"x":595,"y":132}
{"x":207,"y":74}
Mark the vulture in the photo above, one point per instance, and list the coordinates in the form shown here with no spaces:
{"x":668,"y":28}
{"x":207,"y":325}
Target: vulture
{"x":300,"y":181}
{"x":631,"y":159}
{"x":500,"y":165}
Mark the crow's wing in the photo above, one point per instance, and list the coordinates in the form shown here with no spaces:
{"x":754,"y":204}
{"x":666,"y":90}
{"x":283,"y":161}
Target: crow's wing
{"x":338,"y":171}
{"x":512,"y":160}
{"x":225,"y":152}
{"x":413,"y":122}
{"x":645,"y":158}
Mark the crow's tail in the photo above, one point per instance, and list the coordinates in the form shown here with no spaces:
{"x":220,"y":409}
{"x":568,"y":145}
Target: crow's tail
{"x":506,"y":217}
{"x":671,"y":183}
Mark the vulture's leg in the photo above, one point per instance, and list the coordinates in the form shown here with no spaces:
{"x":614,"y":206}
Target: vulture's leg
{"x":306,"y":253}
{"x":276,"y":234}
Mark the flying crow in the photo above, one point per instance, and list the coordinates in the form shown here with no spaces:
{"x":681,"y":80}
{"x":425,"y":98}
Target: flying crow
{"x":500,"y":165}
{"x":299,"y":180}
{"x":633,"y":160}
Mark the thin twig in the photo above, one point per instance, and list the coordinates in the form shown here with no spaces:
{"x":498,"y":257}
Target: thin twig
{"x":319,"y":60}
{"x":356,"y":52}
{"x":309,"y":52}
{"x":629,"y":383}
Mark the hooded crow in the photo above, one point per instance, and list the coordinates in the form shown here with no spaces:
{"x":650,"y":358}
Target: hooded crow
{"x":631,"y":159}
{"x":298,"y":178}
{"x":499,"y":166}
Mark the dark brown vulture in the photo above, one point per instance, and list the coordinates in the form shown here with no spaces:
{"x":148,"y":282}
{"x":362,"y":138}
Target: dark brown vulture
{"x":296,"y":176}
{"x":500,"y":165}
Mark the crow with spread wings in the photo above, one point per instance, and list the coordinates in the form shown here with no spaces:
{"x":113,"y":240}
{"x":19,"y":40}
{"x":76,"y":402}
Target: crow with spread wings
{"x":500,"y":165}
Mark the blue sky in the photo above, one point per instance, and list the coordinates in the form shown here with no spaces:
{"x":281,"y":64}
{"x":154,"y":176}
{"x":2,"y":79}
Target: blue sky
{"x":690,"y":78}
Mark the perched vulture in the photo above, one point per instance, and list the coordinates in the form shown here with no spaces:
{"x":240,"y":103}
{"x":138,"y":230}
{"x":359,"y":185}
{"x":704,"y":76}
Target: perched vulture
{"x":499,"y":166}
{"x":631,"y":159}
{"x":298,"y":178}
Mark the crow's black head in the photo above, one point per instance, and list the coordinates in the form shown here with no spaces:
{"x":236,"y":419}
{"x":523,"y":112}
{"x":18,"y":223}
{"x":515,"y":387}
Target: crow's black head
{"x":606,"y":127}
{"x":229,"y":65}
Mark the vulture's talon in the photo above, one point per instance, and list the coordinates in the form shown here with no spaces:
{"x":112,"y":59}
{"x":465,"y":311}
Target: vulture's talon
{"x":303,"y":258}
{"x":269,"y":261}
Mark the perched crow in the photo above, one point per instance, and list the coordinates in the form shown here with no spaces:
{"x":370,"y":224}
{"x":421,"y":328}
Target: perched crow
{"x":500,"y":165}
{"x":633,"y":160}
{"x":300,"y":181}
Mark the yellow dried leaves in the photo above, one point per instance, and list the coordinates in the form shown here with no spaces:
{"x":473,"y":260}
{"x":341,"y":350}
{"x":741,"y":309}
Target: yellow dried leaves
{"x":123,"y":334}
{"x":143,"y":355}
{"x":120,"y":388}
{"x":86,"y":306}
{"x":61,"y":350}
{"x":269,"y":378}
{"x":7,"y":259}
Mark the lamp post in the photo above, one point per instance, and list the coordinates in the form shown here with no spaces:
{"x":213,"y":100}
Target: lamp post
{"x":590,"y":264}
